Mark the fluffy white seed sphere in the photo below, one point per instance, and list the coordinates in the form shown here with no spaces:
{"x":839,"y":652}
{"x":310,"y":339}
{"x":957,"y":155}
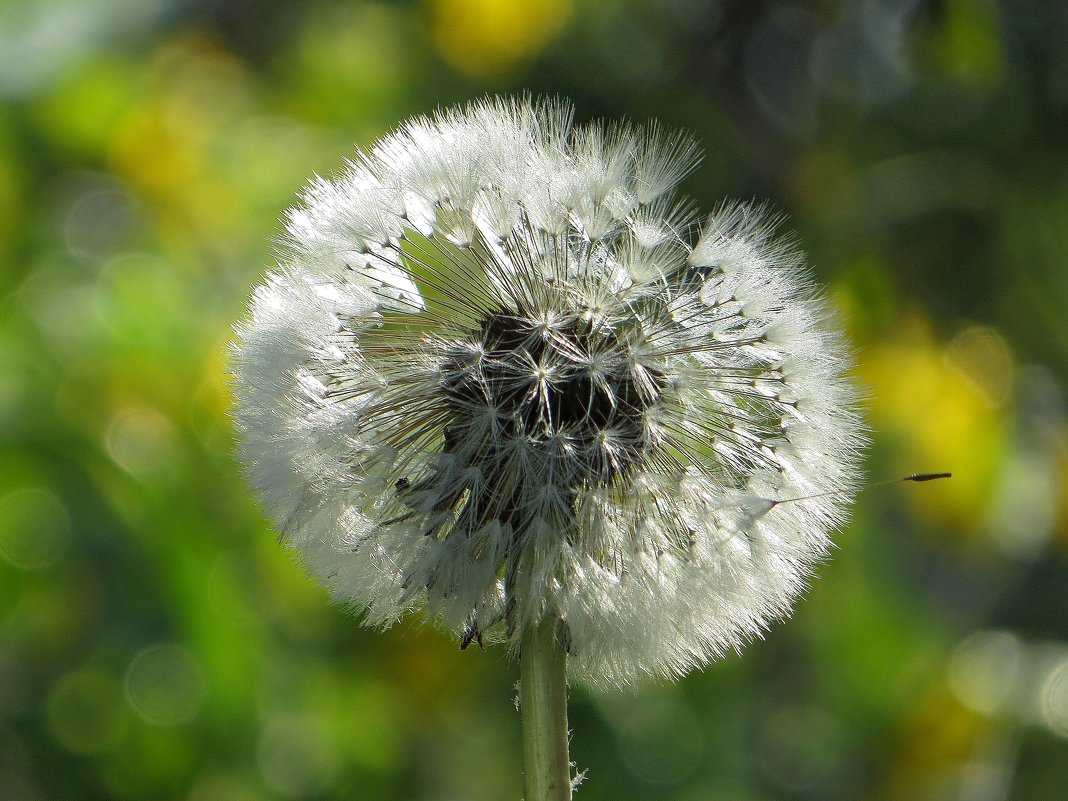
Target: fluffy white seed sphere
{"x":494,"y":378}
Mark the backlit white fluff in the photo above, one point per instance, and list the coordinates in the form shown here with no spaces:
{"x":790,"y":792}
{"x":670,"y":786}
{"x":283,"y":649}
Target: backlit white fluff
{"x":500,"y":374}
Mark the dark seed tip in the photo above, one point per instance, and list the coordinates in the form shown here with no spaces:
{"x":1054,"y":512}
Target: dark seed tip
{"x":927,"y":476}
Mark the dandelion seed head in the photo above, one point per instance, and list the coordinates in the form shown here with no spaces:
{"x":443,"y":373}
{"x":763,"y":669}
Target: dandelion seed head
{"x":500,"y":373}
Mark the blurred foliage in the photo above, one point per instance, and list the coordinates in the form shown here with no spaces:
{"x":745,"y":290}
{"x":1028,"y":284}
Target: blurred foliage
{"x":155,"y":642}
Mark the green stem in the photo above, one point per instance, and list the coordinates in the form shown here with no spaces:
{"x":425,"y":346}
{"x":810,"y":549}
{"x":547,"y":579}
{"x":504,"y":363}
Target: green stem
{"x":543,"y":708}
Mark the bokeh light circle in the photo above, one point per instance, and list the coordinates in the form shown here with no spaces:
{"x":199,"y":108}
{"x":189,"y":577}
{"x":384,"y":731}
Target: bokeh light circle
{"x":293,"y":758}
{"x":84,"y":712}
{"x":34,"y":528}
{"x":984,"y":670}
{"x":165,"y":685}
{"x":141,"y":441}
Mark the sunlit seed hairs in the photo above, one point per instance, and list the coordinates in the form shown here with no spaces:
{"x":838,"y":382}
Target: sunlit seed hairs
{"x":500,"y":374}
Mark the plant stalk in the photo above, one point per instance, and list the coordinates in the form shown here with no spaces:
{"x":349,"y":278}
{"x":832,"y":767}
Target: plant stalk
{"x":543,"y":710}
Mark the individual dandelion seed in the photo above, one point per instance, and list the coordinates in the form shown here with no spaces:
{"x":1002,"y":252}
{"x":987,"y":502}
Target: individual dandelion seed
{"x":501,"y":377}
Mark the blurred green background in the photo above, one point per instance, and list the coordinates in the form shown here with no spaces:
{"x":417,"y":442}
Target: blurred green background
{"x":156,"y":643}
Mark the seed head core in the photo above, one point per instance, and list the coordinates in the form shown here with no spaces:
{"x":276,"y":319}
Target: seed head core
{"x":550,"y":377}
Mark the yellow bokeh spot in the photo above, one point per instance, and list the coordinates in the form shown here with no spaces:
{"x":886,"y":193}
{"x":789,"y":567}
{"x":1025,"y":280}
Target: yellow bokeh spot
{"x":169,"y":147}
{"x":942,"y":412}
{"x":484,"y":38}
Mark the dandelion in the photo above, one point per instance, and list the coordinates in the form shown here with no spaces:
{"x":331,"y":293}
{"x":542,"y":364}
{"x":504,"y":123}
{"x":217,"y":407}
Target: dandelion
{"x":501,"y":376}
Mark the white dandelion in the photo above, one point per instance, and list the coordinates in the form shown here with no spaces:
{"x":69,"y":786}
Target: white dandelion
{"x":500,"y":376}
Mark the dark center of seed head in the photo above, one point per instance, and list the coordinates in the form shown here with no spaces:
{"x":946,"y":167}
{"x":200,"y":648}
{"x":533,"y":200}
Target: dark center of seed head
{"x":541,"y":382}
